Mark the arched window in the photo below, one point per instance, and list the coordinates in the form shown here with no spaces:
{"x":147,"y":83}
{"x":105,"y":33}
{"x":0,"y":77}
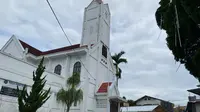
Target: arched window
{"x":58,"y":69}
{"x":77,"y":68}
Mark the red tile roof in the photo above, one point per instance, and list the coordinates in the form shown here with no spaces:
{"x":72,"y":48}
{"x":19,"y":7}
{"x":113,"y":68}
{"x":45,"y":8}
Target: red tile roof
{"x":31,"y":49}
{"x":37,"y":52}
{"x":104,"y":87}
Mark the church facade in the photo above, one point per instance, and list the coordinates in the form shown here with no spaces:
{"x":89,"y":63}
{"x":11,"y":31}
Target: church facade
{"x":91,"y":58}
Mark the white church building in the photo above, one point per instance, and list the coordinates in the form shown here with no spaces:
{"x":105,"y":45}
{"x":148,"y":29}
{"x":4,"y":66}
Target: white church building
{"x":91,"y":58}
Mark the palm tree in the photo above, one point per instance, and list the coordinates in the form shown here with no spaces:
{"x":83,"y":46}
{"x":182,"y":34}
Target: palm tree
{"x":117,"y":60}
{"x":72,"y":94}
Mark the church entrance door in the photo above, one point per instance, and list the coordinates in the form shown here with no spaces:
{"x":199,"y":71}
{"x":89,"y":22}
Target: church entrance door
{"x":113,"y":106}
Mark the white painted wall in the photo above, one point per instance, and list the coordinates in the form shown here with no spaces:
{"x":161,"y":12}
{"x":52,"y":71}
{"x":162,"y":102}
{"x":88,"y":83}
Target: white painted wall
{"x":105,"y":25}
{"x":96,"y":30}
{"x":51,"y":63}
{"x":32,"y":61}
{"x":91,"y":24}
{"x":21,"y":72}
{"x":8,"y":104}
{"x":13,"y":48}
{"x":17,"y":68}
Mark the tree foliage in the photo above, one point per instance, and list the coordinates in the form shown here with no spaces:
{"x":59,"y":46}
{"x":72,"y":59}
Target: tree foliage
{"x":72,"y":95}
{"x":124,"y":97}
{"x":131,"y":102}
{"x":38,"y":96}
{"x":180,"y":19}
{"x":117,"y":58}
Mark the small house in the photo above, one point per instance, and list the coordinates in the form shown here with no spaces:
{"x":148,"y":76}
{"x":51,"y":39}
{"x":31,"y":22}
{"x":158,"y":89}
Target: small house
{"x":148,"y":100}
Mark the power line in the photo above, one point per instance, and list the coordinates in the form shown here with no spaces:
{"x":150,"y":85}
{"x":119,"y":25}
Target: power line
{"x":66,"y":35}
{"x":161,"y":21}
{"x":178,"y":67}
{"x":159,"y":34}
{"x":58,"y":21}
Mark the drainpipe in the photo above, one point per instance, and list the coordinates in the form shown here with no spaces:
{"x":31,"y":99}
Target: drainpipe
{"x":24,"y":53}
{"x":48,"y":62}
{"x":108,"y":100}
{"x":108,"y":103}
{"x":118,"y":106}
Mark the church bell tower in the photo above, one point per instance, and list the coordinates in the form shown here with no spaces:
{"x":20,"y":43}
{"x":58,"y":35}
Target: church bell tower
{"x":96,"y":24}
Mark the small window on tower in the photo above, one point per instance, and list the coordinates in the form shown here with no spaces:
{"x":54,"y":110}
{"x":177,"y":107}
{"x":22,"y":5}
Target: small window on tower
{"x":104,"y":51}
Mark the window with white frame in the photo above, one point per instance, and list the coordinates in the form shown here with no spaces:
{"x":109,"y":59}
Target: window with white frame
{"x":77,"y":68}
{"x":58,"y":69}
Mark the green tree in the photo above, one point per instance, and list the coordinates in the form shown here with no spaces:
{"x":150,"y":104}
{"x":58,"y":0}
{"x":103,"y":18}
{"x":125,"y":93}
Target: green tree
{"x":38,"y":96}
{"x":131,"y":102}
{"x":72,"y":94}
{"x":181,"y":19}
{"x":124,"y":97}
{"x":118,"y":60}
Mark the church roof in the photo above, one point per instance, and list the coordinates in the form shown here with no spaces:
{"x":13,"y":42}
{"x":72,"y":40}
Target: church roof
{"x":146,"y":96}
{"x":37,"y":52}
{"x":104,"y":87}
{"x":195,"y":91}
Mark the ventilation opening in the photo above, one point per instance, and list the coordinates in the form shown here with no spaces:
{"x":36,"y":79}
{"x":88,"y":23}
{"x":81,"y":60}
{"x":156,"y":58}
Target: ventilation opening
{"x":104,"y":51}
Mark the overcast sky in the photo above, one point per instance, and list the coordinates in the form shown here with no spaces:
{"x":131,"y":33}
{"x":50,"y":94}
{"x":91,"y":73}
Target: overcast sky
{"x":151,"y":69}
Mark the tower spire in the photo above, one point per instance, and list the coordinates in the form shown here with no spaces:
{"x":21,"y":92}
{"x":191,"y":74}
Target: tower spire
{"x":99,"y":1}
{"x":96,"y":24}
